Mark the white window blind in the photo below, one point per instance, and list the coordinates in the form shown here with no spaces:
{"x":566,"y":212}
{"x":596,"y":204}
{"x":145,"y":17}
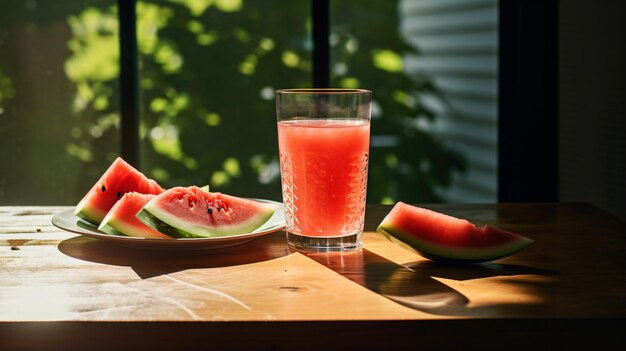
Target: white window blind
{"x":458,"y":49}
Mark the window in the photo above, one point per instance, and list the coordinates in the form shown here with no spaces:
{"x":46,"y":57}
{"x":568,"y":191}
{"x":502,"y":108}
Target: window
{"x":58,"y":98}
{"x":433,"y":68}
{"x":206,"y":73}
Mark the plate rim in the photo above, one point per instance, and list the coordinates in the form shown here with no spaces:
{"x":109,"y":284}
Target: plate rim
{"x":56,"y":218}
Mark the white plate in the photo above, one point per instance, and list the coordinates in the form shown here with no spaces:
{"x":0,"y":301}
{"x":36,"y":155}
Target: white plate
{"x":66,"y":220}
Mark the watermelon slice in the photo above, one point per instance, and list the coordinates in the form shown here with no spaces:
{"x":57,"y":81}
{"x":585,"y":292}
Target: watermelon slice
{"x":190,"y":212}
{"x":441,"y":237}
{"x":121,"y":220}
{"x":118,"y":179}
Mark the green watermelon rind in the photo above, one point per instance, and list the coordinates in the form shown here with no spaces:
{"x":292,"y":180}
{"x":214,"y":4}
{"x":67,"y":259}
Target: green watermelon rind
{"x":119,"y":228}
{"x":168,"y":224}
{"x":155,"y":223}
{"x":444,"y":253}
{"x":106,"y":228}
{"x":88,"y":213}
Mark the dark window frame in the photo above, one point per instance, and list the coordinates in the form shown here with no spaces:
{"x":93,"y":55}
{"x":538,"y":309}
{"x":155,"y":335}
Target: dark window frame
{"x":528,"y":167}
{"x":129,"y":81}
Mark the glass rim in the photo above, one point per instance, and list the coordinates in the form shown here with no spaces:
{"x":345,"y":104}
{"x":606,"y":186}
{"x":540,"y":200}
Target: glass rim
{"x":312,"y":91}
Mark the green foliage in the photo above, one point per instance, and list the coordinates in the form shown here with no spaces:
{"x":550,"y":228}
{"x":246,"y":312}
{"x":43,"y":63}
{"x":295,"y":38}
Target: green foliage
{"x":212,"y":74}
{"x":93,"y":67}
{"x":7,"y":91}
{"x":208,"y":72}
{"x":368,"y":49}
{"x":52,"y":152}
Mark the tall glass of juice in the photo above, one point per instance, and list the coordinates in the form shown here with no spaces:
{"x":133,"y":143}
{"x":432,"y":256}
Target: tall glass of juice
{"x":323,"y":140}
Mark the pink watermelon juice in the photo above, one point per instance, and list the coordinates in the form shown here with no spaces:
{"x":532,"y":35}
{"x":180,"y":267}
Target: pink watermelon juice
{"x":324,"y":175}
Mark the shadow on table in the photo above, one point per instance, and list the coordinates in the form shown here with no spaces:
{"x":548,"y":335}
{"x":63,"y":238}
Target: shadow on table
{"x":151,"y":263}
{"x":414,"y":286}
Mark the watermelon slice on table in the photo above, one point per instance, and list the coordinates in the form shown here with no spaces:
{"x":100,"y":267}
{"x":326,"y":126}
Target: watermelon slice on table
{"x":121,"y":219}
{"x":191,"y":212}
{"x":118,"y":179}
{"x":440,"y":237}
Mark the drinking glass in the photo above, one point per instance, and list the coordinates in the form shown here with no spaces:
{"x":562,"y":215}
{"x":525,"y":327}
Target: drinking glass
{"x":323,"y":140}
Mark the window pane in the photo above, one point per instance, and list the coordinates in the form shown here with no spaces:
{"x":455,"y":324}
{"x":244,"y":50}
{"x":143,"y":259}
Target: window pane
{"x":208,"y":74}
{"x":58,"y":98}
{"x":432,"y":66}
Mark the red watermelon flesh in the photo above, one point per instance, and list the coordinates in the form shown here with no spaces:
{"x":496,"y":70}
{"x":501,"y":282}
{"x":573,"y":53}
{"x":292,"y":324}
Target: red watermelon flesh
{"x":118,"y":179}
{"x":121,"y":219}
{"x":190,"y":212}
{"x":446,"y":238}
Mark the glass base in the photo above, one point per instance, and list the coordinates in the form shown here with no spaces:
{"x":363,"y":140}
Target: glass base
{"x":323,"y":244}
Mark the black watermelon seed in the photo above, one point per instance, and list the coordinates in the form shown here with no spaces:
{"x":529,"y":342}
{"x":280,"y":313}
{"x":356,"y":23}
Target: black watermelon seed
{"x":104,"y":188}
{"x":219,"y":209}
{"x":119,"y":194}
{"x":210,"y":210}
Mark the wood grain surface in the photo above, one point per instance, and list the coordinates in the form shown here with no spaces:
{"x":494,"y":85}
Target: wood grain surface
{"x":59,"y":289}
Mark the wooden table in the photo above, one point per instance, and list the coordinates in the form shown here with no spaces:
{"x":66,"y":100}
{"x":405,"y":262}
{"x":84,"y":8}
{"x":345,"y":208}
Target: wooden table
{"x":62,"y":291}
